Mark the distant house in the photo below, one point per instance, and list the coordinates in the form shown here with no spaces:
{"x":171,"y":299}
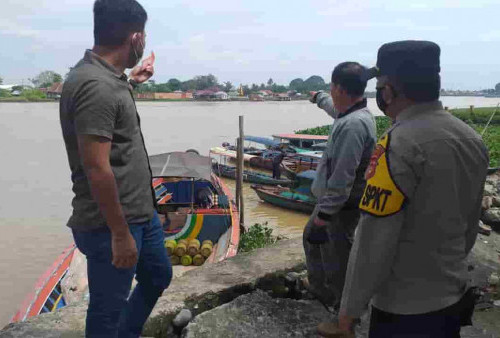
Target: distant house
{"x":256,"y":97}
{"x":220,"y":95}
{"x":177,"y":95}
{"x":204,"y":94}
{"x":266,"y":93}
{"x":282,"y":97}
{"x":55,"y":91}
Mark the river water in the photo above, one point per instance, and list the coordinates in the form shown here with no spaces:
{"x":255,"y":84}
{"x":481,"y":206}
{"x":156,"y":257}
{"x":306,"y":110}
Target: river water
{"x":35,"y":190}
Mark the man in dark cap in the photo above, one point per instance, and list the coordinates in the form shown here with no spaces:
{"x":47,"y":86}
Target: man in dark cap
{"x":420,"y":208}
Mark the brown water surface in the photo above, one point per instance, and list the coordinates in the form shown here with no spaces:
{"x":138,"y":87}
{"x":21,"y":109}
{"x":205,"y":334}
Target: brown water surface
{"x":35,"y":190}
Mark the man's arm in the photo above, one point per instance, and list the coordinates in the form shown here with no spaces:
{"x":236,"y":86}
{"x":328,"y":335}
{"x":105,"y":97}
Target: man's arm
{"x":94,"y":153}
{"x":344,"y":159}
{"x":325,"y":102}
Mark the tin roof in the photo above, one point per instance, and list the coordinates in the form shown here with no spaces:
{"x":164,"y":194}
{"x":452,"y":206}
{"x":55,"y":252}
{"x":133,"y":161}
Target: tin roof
{"x":301,"y":137}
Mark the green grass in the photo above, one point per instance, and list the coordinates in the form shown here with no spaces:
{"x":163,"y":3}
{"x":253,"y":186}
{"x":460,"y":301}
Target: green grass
{"x":478,"y":115}
{"x":383,"y":123}
{"x":476,"y":120}
{"x":492,"y":140}
{"x":21,"y":99}
{"x":324,"y":130}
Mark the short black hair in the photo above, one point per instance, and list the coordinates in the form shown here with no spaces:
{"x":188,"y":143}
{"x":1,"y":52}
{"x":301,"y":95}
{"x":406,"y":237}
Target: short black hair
{"x":115,"y":20}
{"x":351,"y":76}
{"x":418,"y":88}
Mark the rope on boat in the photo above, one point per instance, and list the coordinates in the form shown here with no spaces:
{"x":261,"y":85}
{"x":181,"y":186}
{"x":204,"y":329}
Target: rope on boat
{"x":489,"y":121}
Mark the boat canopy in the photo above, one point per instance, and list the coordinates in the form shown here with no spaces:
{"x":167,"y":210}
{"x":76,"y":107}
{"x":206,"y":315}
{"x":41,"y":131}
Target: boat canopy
{"x":262,"y":140}
{"x":181,"y":164}
{"x":320,"y":138}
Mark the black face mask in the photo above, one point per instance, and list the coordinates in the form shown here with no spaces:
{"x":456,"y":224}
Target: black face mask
{"x":382,"y":105}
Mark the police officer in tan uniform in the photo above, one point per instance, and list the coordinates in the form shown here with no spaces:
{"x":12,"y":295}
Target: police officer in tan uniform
{"x":420,"y":208}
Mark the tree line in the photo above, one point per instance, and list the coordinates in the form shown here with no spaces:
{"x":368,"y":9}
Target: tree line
{"x":47,"y":78}
{"x":210,"y":81}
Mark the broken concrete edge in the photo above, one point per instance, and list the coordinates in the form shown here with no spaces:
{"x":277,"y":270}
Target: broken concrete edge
{"x":198,"y":290}
{"x":163,"y":315}
{"x":212,"y":285}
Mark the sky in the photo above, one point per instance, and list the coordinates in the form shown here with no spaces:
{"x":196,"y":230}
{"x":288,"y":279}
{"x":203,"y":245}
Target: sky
{"x":250,"y":41}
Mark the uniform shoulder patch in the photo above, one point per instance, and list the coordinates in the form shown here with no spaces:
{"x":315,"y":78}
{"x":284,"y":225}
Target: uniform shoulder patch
{"x":382,"y":197}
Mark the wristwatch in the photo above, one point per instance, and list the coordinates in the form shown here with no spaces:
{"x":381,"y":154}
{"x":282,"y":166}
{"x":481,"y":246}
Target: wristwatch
{"x":133,"y":83}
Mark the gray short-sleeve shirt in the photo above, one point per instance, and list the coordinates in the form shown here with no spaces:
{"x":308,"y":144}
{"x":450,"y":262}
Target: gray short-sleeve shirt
{"x":96,"y":100}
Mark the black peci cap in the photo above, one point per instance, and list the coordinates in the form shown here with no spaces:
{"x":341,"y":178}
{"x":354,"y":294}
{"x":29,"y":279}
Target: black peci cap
{"x":405,"y":59}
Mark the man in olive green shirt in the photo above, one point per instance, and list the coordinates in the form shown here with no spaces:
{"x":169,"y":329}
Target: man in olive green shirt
{"x":114,"y":222}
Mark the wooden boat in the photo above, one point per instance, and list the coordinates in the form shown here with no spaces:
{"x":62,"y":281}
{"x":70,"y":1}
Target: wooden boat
{"x":249,"y":176}
{"x":175,"y":177}
{"x":492,"y":170}
{"x":285,"y":198}
{"x":181,"y":182}
{"x":253,"y":161}
{"x":258,"y":154}
{"x":47,"y":295}
{"x":301,"y":142}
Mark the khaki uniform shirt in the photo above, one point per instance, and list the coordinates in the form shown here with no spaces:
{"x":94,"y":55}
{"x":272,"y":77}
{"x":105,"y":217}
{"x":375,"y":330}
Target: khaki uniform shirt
{"x":420,"y":214}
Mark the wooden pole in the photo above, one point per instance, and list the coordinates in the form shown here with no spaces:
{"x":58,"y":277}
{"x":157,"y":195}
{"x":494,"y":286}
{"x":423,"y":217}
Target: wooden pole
{"x":240,"y":175}
{"x":238,"y":187}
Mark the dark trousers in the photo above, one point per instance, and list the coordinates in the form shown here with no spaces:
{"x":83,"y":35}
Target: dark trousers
{"x":327,"y":263}
{"x":443,"y":323}
{"x":277,"y":170}
{"x":113,"y":311}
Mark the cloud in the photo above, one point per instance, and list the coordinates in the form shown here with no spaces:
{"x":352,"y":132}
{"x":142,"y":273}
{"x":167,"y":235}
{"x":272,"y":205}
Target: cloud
{"x":9,"y":27}
{"x":402,"y":24}
{"x":244,"y":40}
{"x":491,"y":36}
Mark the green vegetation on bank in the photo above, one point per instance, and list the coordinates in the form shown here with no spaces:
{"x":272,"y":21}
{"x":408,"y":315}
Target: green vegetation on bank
{"x":257,"y":236}
{"x":203,"y":82}
{"x":164,"y":100}
{"x":383,"y":123}
{"x":477,"y":115}
{"x":477,"y":119}
{"x":26,"y":95}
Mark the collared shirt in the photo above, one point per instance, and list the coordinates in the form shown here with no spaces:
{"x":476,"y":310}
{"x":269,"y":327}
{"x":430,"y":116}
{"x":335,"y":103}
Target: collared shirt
{"x":420,"y":215}
{"x":97,"y":100}
{"x":340,"y":181}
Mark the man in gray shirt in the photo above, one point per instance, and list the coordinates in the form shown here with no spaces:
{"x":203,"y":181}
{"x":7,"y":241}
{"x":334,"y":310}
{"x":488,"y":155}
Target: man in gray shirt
{"x":420,"y":208}
{"x":339,"y":182}
{"x":114,"y":221}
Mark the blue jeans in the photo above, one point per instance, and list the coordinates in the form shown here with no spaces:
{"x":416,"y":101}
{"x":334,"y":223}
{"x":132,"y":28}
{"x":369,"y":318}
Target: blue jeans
{"x":111,"y":312}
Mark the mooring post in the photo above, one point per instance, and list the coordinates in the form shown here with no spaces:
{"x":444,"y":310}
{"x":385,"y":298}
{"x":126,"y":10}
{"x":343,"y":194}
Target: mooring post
{"x":240,"y":167}
{"x":238,"y":188}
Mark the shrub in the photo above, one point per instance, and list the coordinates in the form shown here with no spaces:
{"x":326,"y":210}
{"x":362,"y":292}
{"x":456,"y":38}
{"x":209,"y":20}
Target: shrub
{"x":257,"y":236}
{"x":33,"y":95}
